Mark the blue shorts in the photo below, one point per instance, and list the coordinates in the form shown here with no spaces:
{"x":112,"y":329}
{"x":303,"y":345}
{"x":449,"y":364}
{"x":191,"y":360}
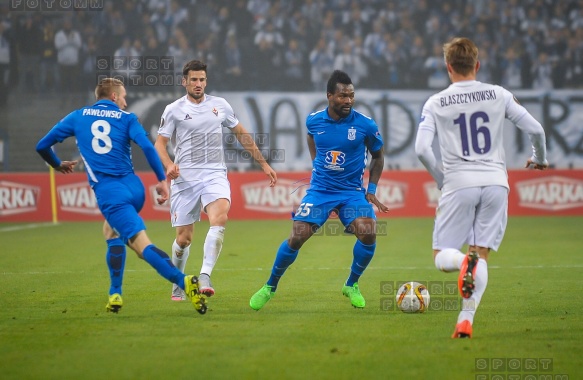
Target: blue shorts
{"x":317,"y":205}
{"x":120,"y":199}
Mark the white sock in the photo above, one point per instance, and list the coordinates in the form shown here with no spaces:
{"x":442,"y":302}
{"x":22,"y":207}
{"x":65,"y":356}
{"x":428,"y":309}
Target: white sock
{"x":470,"y":305}
{"x":180,"y":255}
{"x":212,"y":248}
{"x":449,"y":260}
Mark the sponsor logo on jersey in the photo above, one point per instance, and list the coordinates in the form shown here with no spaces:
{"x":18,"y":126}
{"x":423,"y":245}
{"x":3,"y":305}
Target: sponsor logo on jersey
{"x":78,"y":198}
{"x":432,"y":193}
{"x":351,"y":133}
{"x":553,"y":193}
{"x":215,"y":111}
{"x":334,"y":160}
{"x":163,"y":207}
{"x":392,"y":193}
{"x":187,"y":117}
{"x":280,"y":199}
{"x":17,"y":198}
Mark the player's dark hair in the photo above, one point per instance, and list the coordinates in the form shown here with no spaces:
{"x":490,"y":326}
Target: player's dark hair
{"x":193,"y":65}
{"x":462,"y":54}
{"x":106,"y":87}
{"x":338,"y":76}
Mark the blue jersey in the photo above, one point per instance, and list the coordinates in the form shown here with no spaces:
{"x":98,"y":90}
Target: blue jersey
{"x":104,"y":133}
{"x":341,"y":149}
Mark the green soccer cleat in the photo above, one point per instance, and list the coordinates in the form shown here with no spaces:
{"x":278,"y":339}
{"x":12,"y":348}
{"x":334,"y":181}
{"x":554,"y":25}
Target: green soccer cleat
{"x":259,"y":299}
{"x":115,"y":303}
{"x":353,"y":292}
{"x":191,"y":290}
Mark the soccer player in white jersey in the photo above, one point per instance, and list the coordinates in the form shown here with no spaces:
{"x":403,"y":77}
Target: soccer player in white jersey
{"x":198,"y":172}
{"x":468,"y":118}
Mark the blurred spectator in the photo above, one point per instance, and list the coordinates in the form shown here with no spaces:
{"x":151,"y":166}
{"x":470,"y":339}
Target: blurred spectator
{"x":417,"y":54}
{"x":435,"y":68}
{"x":374,"y":47}
{"x":68,"y":44}
{"x":179,"y":49}
{"x":322,"y":65}
{"x":294,"y":67}
{"x":351,"y":62}
{"x":542,"y":72}
{"x":574,"y":61}
{"x":176,"y":16}
{"x":49,"y":69}
{"x":5,"y":42}
{"x":89,"y":54}
{"x":511,"y":70}
{"x":30,"y":41}
{"x":233,"y":64}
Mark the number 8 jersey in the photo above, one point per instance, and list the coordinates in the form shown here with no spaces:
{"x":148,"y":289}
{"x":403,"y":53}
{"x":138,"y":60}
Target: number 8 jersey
{"x":103,"y":134}
{"x":469,"y":118}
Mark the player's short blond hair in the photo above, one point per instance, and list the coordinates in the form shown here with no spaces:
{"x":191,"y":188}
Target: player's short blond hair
{"x":106,"y":87}
{"x":462,"y":54}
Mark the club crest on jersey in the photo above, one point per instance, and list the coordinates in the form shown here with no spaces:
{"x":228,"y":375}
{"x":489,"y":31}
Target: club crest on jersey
{"x":335,"y":159}
{"x":187,"y":117}
{"x":215,"y":111}
{"x":351,"y":133}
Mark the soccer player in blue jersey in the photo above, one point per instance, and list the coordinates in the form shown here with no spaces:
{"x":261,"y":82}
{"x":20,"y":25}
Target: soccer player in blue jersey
{"x":103,"y":133}
{"x":339,"y":140}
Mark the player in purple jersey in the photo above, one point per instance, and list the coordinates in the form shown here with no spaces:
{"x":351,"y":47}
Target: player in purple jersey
{"x":103,"y":134}
{"x":339,"y":140}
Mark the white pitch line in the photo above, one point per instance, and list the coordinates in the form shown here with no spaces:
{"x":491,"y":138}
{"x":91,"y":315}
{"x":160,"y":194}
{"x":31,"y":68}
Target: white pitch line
{"x":316,"y":269}
{"x":27,"y":227}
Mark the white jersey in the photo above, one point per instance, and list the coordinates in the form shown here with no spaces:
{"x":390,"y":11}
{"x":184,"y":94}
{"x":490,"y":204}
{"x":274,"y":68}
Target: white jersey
{"x":198,"y":133}
{"x":468,"y":118}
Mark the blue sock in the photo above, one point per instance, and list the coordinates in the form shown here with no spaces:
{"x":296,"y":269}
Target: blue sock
{"x":362,"y":256}
{"x":283,"y":259}
{"x":116,"y":259}
{"x":160,"y":261}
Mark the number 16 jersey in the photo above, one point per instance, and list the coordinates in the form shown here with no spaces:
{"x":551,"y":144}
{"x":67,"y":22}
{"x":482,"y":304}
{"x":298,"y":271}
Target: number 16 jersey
{"x":469,"y":118}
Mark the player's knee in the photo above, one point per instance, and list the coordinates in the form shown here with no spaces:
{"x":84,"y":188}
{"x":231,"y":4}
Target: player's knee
{"x":183,"y":241}
{"x":296,"y":242}
{"x":368,"y":239}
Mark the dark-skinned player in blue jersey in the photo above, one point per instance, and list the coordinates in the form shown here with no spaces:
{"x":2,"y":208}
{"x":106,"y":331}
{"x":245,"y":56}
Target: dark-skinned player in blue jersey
{"x":339,"y":140}
{"x":104,"y":132}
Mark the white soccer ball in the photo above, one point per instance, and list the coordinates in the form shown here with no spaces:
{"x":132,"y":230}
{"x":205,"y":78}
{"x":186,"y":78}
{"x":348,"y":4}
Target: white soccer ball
{"x":413,"y":297}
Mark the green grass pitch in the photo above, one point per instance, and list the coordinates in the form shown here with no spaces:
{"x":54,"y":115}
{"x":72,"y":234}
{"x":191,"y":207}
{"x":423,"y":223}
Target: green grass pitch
{"x":54,"y":283}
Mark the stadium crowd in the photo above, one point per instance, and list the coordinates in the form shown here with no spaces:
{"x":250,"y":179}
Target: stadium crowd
{"x":293,"y":45}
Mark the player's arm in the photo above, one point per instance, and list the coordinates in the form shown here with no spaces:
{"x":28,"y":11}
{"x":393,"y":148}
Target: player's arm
{"x":161,"y":146}
{"x":156,"y":164}
{"x":311,"y":146}
{"x":246,"y":140}
{"x":43,"y":148}
{"x":424,"y":149}
{"x":516,"y":113}
{"x":377,"y":163}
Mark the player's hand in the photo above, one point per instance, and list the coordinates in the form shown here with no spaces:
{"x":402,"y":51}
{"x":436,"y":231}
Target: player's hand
{"x":162,"y":191}
{"x":534,"y":165}
{"x":173,"y":171}
{"x":371,"y":198}
{"x":66,"y":167}
{"x":271,"y":174}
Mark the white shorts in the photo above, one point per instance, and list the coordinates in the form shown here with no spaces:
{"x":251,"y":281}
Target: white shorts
{"x":473,"y":216}
{"x":189,"y":199}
